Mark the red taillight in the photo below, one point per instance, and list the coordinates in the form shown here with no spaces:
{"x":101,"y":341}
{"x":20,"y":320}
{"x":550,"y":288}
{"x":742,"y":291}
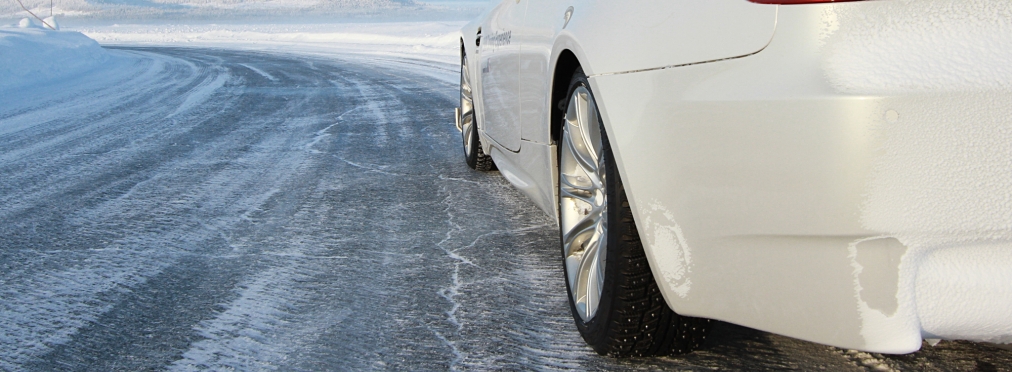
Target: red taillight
{"x":787,"y":2}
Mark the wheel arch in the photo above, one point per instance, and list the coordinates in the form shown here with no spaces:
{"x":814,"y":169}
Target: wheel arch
{"x":566,"y":64}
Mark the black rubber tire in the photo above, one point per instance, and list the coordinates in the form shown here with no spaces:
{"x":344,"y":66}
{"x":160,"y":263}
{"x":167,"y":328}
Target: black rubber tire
{"x":476,"y":159}
{"x":632,"y":319}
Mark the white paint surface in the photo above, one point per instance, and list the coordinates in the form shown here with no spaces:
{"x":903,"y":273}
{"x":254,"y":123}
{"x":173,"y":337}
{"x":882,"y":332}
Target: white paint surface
{"x":898,"y":326}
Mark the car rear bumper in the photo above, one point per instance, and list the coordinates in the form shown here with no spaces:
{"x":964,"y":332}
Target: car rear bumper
{"x":825,"y":188}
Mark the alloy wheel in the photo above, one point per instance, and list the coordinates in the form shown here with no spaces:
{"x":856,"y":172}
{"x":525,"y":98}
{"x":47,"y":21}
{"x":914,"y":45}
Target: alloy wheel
{"x":583,"y":202}
{"x":466,"y":108}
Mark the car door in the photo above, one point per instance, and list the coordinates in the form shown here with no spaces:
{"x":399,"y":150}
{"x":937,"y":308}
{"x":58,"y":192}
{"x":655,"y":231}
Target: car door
{"x":544,"y":20}
{"x":500,"y":69}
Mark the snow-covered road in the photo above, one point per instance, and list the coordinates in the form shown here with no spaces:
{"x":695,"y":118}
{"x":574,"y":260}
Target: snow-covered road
{"x":206,"y":208}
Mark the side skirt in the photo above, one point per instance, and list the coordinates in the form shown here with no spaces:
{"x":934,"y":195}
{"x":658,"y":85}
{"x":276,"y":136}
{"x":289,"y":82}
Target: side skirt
{"x":533,"y":171}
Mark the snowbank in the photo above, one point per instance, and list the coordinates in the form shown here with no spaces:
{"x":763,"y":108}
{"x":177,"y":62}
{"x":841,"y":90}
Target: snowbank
{"x":36,"y":56}
{"x":146,"y":11}
{"x":436,"y":41}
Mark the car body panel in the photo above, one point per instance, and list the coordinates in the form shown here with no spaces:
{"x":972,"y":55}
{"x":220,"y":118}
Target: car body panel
{"x":498,"y":66}
{"x":820,"y":187}
{"x":525,"y":171}
{"x":619,"y":36}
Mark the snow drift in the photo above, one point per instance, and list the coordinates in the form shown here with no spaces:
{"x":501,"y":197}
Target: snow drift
{"x":245,"y":10}
{"x":433,"y":41}
{"x":37,"y":56}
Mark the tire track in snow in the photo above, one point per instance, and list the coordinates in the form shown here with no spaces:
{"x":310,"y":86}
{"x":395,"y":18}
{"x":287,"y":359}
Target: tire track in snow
{"x":202,"y":92}
{"x":267,"y":226}
{"x":259,"y":71}
{"x":52,"y":284}
{"x":167,"y":222}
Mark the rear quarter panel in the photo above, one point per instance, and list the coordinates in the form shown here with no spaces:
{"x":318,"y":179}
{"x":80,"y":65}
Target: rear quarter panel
{"x":618,"y":36}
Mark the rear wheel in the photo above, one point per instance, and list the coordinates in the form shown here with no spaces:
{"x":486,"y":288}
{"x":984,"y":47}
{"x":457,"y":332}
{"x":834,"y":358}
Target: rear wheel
{"x":615,"y":301}
{"x":473,"y":154}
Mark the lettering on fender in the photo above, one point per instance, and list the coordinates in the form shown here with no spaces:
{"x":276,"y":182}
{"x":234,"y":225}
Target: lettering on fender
{"x":497,"y":39}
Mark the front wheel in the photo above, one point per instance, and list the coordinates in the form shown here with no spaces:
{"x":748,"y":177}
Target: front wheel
{"x":615,"y":301}
{"x":473,"y":154}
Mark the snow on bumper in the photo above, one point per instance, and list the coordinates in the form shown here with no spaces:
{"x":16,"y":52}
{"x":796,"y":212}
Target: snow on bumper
{"x":789,"y":194}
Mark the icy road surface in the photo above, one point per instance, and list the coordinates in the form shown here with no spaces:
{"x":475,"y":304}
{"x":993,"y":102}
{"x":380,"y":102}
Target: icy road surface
{"x":205,"y":208}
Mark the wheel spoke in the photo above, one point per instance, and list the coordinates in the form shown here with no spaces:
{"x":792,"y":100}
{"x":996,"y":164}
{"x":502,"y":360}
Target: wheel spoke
{"x":583,"y":204}
{"x":582,"y":193}
{"x":579,"y":204}
{"x":588,"y":276}
{"x":465,"y":79}
{"x":579,"y":153}
{"x":465,"y":86}
{"x":582,"y":151}
{"x":590,"y":129}
{"x":590,"y":291}
{"x":467,"y":127}
{"x":575,"y":239}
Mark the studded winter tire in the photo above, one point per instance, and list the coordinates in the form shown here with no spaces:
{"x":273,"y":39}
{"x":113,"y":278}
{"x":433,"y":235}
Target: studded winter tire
{"x":473,"y":154}
{"x":615,"y":301}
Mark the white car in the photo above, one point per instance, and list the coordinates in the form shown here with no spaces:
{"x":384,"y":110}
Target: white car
{"x":835,"y":172}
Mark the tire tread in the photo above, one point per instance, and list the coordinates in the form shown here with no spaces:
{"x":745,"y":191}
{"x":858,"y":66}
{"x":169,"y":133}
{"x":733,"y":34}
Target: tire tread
{"x":477,"y":160}
{"x":633,"y":319}
{"x":482,"y":162}
{"x":642,"y":323}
